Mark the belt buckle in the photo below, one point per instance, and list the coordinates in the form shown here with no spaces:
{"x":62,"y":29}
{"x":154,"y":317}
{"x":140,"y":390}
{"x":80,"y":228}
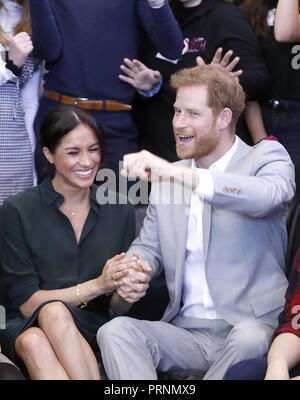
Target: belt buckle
{"x":79,"y":98}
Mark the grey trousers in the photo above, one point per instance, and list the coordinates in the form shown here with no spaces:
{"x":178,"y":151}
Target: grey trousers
{"x":135,"y":349}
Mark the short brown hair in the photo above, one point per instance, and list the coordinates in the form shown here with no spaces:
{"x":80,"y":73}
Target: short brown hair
{"x":223,"y":90}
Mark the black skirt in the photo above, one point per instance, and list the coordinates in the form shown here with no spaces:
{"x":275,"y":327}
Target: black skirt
{"x":87,"y":322}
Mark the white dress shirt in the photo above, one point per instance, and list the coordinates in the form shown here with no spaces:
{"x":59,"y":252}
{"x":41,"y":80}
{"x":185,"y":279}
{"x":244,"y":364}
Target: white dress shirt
{"x":197,"y":301}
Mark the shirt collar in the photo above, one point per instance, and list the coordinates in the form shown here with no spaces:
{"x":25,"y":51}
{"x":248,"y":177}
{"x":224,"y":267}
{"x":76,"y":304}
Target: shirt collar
{"x":222,"y":162}
{"x":49,"y":196}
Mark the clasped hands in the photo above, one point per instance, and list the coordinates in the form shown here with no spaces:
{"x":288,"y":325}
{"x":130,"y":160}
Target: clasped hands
{"x":129,"y":276}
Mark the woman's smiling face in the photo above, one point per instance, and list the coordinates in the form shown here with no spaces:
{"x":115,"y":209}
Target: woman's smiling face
{"x":76,"y":158}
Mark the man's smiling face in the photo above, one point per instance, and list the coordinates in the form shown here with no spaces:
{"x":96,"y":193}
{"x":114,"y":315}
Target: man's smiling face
{"x":194,"y":124}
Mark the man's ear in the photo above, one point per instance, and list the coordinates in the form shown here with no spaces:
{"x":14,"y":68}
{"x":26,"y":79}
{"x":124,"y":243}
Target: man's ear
{"x":224,"y":118}
{"x":48,"y":155}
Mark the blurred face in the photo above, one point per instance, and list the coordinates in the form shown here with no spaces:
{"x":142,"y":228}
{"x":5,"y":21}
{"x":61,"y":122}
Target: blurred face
{"x":77,"y":158}
{"x":194,"y":124}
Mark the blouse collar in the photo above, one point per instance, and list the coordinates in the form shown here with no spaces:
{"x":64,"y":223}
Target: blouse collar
{"x":50,"y":197}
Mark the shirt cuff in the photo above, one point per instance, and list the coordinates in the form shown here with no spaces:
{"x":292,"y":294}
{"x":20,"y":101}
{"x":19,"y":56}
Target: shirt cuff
{"x":156,"y":3}
{"x":13,"y":68}
{"x":153,"y":91}
{"x":205,"y":187}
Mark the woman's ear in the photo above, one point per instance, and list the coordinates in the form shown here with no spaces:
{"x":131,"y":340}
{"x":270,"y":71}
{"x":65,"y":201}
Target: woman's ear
{"x":48,"y":155}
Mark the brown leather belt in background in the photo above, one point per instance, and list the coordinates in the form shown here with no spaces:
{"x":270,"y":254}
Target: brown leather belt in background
{"x":99,"y":105}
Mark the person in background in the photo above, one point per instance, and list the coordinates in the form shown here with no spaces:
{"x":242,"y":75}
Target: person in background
{"x":58,"y":255}
{"x":283,"y":359}
{"x":19,"y":86}
{"x":83,"y":45}
{"x":287,"y":21}
{"x":206,"y":25}
{"x":281,"y":109}
{"x":236,"y":2}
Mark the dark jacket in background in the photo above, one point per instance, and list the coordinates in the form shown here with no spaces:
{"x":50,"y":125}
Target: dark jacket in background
{"x":83,"y":43}
{"x":210,"y":25}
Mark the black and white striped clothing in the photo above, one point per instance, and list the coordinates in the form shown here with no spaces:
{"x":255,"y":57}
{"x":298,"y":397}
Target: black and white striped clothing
{"x":16,"y":155}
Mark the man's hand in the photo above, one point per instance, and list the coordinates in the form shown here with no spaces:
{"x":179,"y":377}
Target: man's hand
{"x":136,"y":282}
{"x":19,"y":48}
{"x":149,"y":167}
{"x":138,"y":75}
{"x":223,"y":62}
{"x":146,"y":166}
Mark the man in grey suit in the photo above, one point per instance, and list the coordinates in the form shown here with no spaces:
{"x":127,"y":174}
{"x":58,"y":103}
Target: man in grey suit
{"x":216,"y":224}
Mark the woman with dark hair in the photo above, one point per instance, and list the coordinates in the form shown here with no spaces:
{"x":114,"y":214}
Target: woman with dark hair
{"x":19,"y":83}
{"x":56,"y":240}
{"x":82,"y":43}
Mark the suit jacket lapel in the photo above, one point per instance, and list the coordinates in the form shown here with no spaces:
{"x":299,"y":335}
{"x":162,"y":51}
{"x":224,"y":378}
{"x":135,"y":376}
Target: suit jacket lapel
{"x":241,"y":151}
{"x":181,"y":213}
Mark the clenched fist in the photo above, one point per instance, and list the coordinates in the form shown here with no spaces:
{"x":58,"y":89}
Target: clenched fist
{"x":19,"y":48}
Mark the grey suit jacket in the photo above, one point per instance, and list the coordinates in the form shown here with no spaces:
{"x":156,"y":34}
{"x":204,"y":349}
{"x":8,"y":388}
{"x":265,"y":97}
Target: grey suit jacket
{"x":244,"y":235}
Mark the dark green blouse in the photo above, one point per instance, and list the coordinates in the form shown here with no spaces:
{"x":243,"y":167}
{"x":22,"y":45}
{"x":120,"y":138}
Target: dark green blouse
{"x":39,"y":248}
